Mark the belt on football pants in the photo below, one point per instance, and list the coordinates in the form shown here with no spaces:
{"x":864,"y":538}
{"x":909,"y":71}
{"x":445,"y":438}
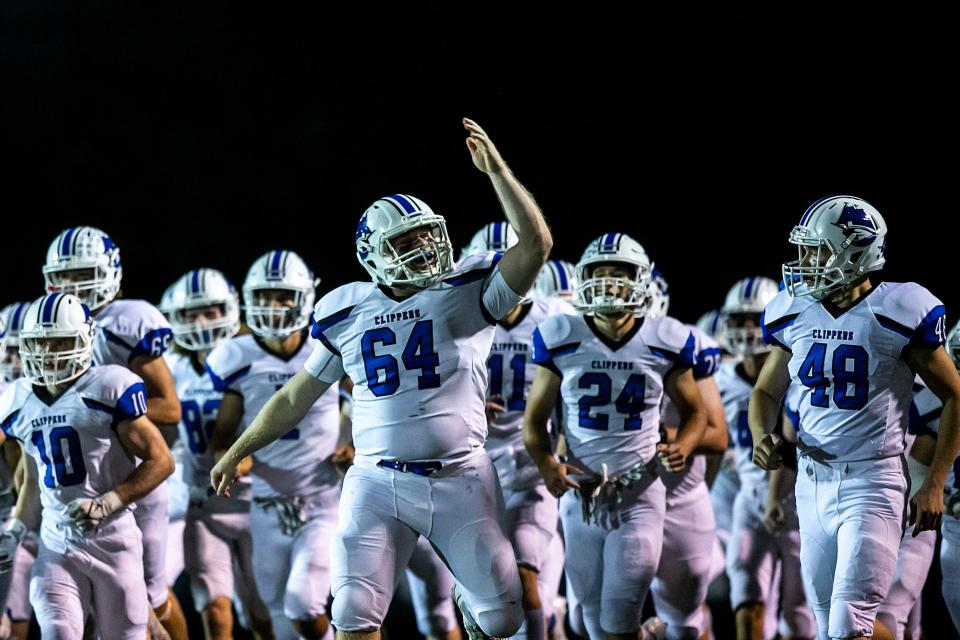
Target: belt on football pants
{"x":419,"y":468}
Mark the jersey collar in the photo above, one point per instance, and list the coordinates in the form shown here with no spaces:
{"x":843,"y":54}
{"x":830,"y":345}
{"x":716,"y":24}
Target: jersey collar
{"x":614,"y":345}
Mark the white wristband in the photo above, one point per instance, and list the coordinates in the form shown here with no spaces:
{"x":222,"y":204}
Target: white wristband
{"x":17,"y":528}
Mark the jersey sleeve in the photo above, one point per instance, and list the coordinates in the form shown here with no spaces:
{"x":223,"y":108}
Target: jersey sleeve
{"x":778,"y":316}
{"x":925,"y":410}
{"x":323,"y":364}
{"x":150,"y":333}
{"x":707,"y":354}
{"x":915,"y":313}
{"x":673,"y":341}
{"x":226,"y":365}
{"x":11,"y":401}
{"x":552,"y":339}
{"x":496,"y":296}
{"x":119,"y":392}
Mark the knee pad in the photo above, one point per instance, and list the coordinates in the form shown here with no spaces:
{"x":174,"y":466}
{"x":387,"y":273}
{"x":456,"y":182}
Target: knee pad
{"x":502,"y":622}
{"x":357,"y":607}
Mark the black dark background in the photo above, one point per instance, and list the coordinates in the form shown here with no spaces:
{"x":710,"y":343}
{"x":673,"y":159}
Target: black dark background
{"x":206,"y":133}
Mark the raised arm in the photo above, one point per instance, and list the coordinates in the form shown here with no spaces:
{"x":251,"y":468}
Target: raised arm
{"x":937,"y":371}
{"x":764,"y":409}
{"x":520,"y":264}
{"x":279,"y":415}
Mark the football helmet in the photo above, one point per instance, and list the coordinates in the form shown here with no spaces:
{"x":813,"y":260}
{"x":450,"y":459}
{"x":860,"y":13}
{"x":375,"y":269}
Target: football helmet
{"x":421,"y":264}
{"x":11,"y":319}
{"x":84,"y":261}
{"x":659,"y":295}
{"x":196,"y":289}
{"x":494,"y":236}
{"x":839,"y":239}
{"x":278,"y":271}
{"x":607,"y":295}
{"x":56,"y":342}
{"x":557,"y":279}
{"x":746,"y":299}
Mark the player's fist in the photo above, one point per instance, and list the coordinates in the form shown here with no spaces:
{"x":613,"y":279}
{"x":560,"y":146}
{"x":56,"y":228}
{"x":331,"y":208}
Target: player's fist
{"x":765,"y":454}
{"x":484,"y":154}
{"x":774,"y":517}
{"x":87,"y":514}
{"x":9,"y":541}
{"x":222,"y":475}
{"x":926,"y":508}
{"x":494,"y":407}
{"x":556,"y":475}
{"x":672,"y":456}
{"x":343,"y":456}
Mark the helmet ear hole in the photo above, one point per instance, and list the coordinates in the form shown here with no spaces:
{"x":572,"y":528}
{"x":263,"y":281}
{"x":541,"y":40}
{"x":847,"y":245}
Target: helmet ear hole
{"x":855,"y":257}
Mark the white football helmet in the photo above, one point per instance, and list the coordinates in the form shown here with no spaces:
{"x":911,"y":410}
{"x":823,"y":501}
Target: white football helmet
{"x":279,"y":270}
{"x":847,"y":238}
{"x":379,"y":227}
{"x":49,"y":320}
{"x":659,"y":292}
{"x":614,"y":295}
{"x":494,"y":236}
{"x":748,"y":297}
{"x":11,"y":319}
{"x":953,"y":345}
{"x":84,"y":249}
{"x":195,"y":289}
{"x":557,"y":279}
{"x":711,"y":324}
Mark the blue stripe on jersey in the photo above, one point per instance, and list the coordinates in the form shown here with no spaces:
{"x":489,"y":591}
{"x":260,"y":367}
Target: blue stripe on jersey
{"x":153,"y":344}
{"x":706,"y":364}
{"x":776,"y":326}
{"x":129,"y":406}
{"x":65,"y":245}
{"x":893,"y":325}
{"x":47,"y":315}
{"x":224,"y":383}
{"x":97,"y":406}
{"x":561,"y":274}
{"x":497,"y":233}
{"x":323,"y":324}
{"x":195,"y":282}
{"x":114,"y":338}
{"x":930,"y":332}
{"x":404,"y":202}
{"x":8,"y":423}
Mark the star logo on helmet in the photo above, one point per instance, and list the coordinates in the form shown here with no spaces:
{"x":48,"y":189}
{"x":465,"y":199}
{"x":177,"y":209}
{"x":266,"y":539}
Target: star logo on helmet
{"x":857,"y":225}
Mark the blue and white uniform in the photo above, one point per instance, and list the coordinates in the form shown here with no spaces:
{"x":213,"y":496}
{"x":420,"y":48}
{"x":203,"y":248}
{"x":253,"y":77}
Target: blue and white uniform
{"x":420,"y":377}
{"x":295,"y":487}
{"x":217,"y":541}
{"x":855,"y":395}
{"x":128,"y":329}
{"x":687,"y":562}
{"x":73,"y":440}
{"x":611,"y":394}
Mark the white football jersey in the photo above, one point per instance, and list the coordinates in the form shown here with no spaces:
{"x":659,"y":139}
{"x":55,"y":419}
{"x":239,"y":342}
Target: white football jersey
{"x":735,"y":389}
{"x":686,"y":485}
{"x":510,"y":372}
{"x":126,"y":329}
{"x":297,"y":464}
{"x":611,"y":392}
{"x":73,"y":439}
{"x":925,"y":418}
{"x":856,"y":387}
{"x":199,"y":403}
{"x":419,"y":364}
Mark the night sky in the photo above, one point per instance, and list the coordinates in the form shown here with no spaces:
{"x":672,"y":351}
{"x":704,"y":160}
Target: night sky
{"x":703,"y":133}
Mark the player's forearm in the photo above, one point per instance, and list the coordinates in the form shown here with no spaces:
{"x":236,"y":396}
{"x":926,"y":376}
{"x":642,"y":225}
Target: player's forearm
{"x":762,"y":413}
{"x":276,"y":419}
{"x":948,"y":442}
{"x":693,"y":427}
{"x":524,"y":214}
{"x":715,"y":440}
{"x":536,"y":439}
{"x":148,"y":475}
{"x":28,"y":506}
{"x":164,"y":412}
{"x":782,"y":481}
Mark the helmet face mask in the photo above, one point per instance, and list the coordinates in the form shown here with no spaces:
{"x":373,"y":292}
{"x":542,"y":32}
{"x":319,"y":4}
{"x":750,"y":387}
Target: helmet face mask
{"x":278,"y":295}
{"x":56,"y":343}
{"x":742,"y":334}
{"x":85,"y":262}
{"x":839,"y":240}
{"x":203,"y":309}
{"x":402,"y":242}
{"x":11,"y":317}
{"x":614,"y":276}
